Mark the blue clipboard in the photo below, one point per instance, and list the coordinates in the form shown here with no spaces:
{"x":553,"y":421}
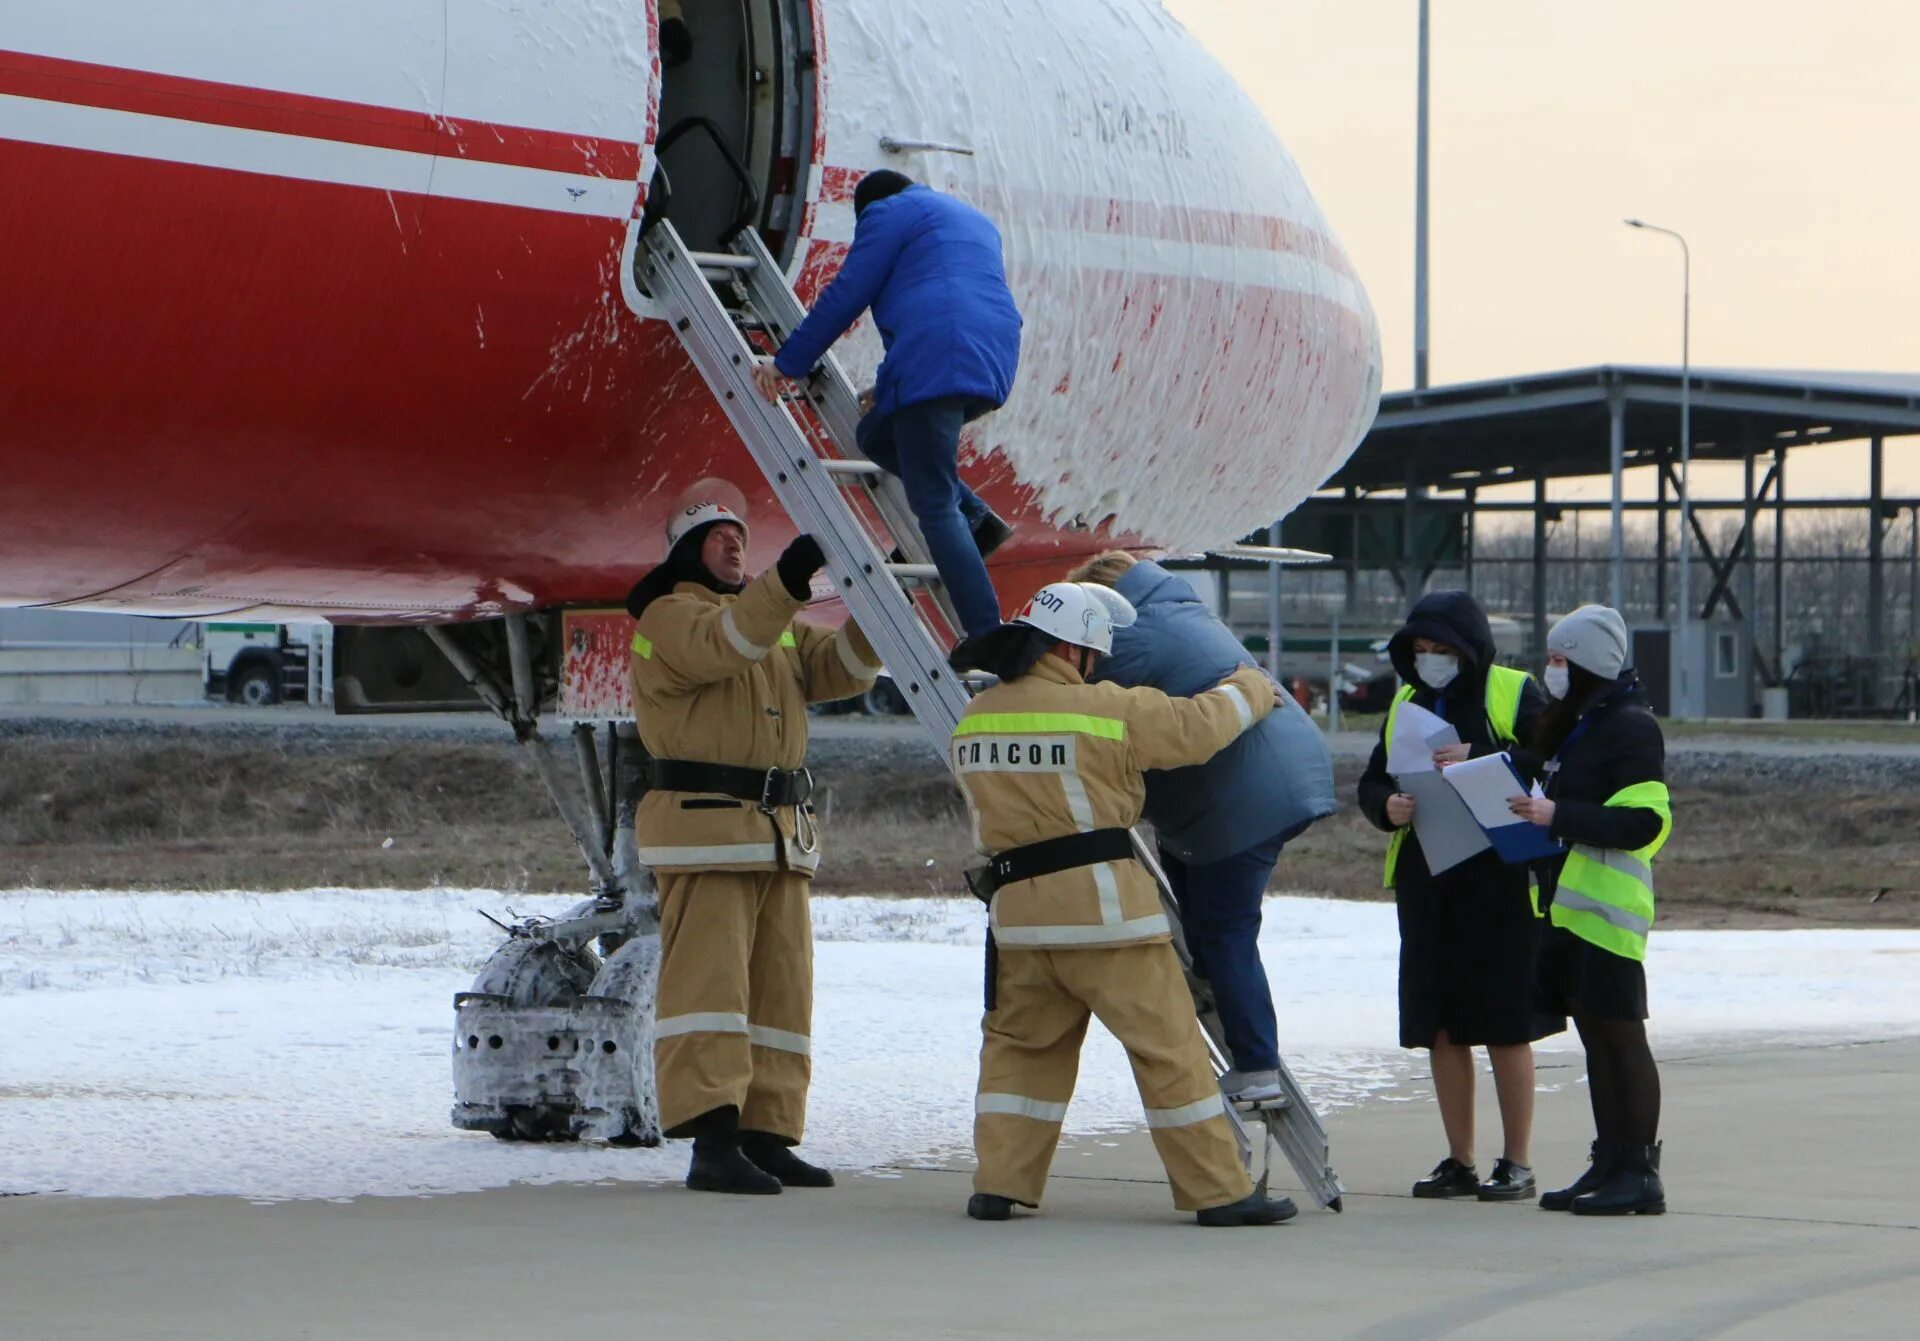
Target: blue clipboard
{"x":1523,"y":840}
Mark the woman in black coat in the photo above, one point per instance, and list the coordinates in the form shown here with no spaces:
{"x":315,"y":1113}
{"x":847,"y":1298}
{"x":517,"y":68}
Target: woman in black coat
{"x":1468,"y":936}
{"x":1602,"y":759}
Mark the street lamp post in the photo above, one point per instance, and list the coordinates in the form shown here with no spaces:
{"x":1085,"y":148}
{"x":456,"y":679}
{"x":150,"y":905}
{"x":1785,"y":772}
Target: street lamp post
{"x":1684,"y":644}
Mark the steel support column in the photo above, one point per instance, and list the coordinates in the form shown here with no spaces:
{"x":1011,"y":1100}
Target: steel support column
{"x":1661,"y":613}
{"x":1750,"y":566}
{"x":1466,"y":558}
{"x":1539,"y":566}
{"x":1876,"y":549}
{"x":1780,"y":563}
{"x":1617,"y":536}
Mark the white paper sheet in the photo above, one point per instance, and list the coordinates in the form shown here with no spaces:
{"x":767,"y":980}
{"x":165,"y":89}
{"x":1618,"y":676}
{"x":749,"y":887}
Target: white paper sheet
{"x":1411,"y":749}
{"x":1486,"y":784}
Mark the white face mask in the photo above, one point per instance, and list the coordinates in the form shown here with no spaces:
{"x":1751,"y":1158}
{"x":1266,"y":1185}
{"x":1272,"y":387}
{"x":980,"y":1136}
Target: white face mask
{"x":1435,"y":669}
{"x":1557,"y":680}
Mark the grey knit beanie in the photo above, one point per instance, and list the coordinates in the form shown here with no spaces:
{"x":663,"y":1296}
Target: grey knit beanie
{"x":1594,"y":637}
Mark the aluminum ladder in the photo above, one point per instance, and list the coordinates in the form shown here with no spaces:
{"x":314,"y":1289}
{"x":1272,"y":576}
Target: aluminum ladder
{"x":720,"y":304}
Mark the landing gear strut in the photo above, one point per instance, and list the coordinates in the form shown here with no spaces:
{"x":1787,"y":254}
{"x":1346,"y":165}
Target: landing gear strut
{"x":554,"y":1041}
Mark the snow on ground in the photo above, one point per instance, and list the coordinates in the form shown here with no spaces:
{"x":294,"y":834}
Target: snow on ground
{"x":297,"y":1045}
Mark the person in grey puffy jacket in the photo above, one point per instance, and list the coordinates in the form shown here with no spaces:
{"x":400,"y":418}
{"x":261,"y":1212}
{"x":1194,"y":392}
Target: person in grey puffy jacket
{"x":1222,"y":824}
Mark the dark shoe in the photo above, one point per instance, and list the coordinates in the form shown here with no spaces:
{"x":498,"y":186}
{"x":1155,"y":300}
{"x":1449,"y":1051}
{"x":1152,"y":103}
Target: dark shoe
{"x":1256,"y":1209}
{"x":1510,"y":1182}
{"x":965,"y":656}
{"x":1633,"y":1186}
{"x":771,"y":1154}
{"x":990,"y":533}
{"x":1600,"y":1157}
{"x":1450,"y":1178}
{"x":718,"y":1166}
{"x":986,"y":1206}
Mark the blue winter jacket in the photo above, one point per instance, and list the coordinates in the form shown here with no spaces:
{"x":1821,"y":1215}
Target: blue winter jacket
{"x":930,"y":268}
{"x":1276,"y":777}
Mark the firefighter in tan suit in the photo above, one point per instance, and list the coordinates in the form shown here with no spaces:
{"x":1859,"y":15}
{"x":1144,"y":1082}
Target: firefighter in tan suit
{"x":721,"y":682}
{"x":1051,"y":767}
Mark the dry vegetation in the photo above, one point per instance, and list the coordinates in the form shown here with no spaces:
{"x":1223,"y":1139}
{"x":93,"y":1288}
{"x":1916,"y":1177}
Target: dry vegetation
{"x":187,"y":814}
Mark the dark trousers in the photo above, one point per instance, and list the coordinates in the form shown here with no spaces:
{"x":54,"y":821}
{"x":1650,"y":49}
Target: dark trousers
{"x":1220,"y":909}
{"x":921,"y":444}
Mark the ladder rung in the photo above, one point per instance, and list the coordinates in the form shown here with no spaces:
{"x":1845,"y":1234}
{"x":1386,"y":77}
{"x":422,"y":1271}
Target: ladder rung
{"x":717,"y":260}
{"x":857,"y":469}
{"x":915,"y":572}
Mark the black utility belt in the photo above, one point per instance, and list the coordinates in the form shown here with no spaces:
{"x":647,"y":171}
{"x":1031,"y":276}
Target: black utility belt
{"x":1053,"y":855}
{"x":768,"y":788}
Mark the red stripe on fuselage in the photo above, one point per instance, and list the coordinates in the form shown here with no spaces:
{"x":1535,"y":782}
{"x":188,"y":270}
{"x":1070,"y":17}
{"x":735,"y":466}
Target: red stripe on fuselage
{"x":83,"y":84}
{"x":1149,"y":219}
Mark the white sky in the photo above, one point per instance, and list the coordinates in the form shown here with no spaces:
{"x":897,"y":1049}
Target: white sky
{"x":1782,"y":138}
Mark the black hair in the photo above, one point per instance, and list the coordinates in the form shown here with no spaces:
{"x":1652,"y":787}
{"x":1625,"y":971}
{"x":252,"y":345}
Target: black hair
{"x":1557,"y":722}
{"x":682,"y":564}
{"x":878,"y":185}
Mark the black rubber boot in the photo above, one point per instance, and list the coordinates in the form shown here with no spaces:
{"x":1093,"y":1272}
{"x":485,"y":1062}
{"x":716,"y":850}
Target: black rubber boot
{"x":774,"y":1154}
{"x":991,"y":533}
{"x":718,"y":1165}
{"x":1632,"y":1187}
{"x":1600,"y":1157}
{"x":986,"y":1206}
{"x":1255,"y":1209}
{"x":1510,"y":1182}
{"x":1450,"y":1178}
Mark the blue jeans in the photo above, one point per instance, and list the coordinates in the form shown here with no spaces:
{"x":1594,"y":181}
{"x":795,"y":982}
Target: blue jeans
{"x":921,"y":444}
{"x":1220,"y":909}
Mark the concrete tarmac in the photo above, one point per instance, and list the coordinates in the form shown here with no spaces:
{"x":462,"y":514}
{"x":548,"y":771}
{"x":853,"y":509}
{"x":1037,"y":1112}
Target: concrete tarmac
{"x":1791,"y":1173}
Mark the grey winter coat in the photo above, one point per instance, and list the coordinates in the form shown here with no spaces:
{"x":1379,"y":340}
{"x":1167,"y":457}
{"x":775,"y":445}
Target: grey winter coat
{"x":1276,"y":777}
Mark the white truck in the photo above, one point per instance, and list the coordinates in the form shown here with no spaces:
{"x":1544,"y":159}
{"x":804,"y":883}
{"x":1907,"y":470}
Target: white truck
{"x":263,"y":664}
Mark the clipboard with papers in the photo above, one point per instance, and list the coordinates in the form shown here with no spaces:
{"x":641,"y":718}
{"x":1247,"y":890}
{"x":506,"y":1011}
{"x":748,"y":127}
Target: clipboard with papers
{"x":1460,"y":811}
{"x":1486,"y":785}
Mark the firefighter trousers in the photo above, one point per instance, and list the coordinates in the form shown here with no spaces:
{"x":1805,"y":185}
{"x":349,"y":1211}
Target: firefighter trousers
{"x":734,"y":1009}
{"x":1030,"y":1057}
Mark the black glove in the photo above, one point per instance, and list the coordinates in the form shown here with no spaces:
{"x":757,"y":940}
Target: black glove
{"x":797,"y":565}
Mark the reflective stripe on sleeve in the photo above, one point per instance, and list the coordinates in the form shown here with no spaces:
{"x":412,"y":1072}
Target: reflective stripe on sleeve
{"x":990,"y":723}
{"x":642,"y":646}
{"x":1019,"y":1105}
{"x":779,"y":1039}
{"x":849,"y":658}
{"x":1240,"y":704}
{"x":1187,"y":1114}
{"x":752,"y":651}
{"x":701,"y":1022}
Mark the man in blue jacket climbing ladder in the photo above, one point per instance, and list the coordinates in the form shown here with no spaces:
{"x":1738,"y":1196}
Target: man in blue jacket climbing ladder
{"x":930,"y":268}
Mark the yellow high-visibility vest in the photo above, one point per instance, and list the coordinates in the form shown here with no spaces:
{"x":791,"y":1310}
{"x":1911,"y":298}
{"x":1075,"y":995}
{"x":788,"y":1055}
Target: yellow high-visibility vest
{"x":1605,"y":895}
{"x":1504,"y":686}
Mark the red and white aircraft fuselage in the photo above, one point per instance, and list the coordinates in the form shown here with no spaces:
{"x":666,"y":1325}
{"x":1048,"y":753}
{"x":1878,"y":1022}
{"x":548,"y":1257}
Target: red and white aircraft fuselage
{"x":325,"y":306}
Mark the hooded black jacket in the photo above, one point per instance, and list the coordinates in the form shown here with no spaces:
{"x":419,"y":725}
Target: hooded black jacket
{"x":1456,"y":619}
{"x":1617,"y":744}
{"x":1468,"y":936}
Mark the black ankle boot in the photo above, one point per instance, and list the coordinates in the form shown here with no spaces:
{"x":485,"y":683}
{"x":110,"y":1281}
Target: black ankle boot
{"x":1600,"y":1158}
{"x":773,"y":1154}
{"x":987,"y":1206}
{"x":1632,"y":1187}
{"x":718,"y":1166}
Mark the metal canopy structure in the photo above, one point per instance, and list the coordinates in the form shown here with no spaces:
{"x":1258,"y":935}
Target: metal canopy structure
{"x":1561,"y":425}
{"x":1603,"y":421}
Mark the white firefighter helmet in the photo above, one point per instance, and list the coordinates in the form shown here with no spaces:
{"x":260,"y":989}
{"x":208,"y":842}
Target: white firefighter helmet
{"x":1082,"y":613}
{"x":699,"y":514}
